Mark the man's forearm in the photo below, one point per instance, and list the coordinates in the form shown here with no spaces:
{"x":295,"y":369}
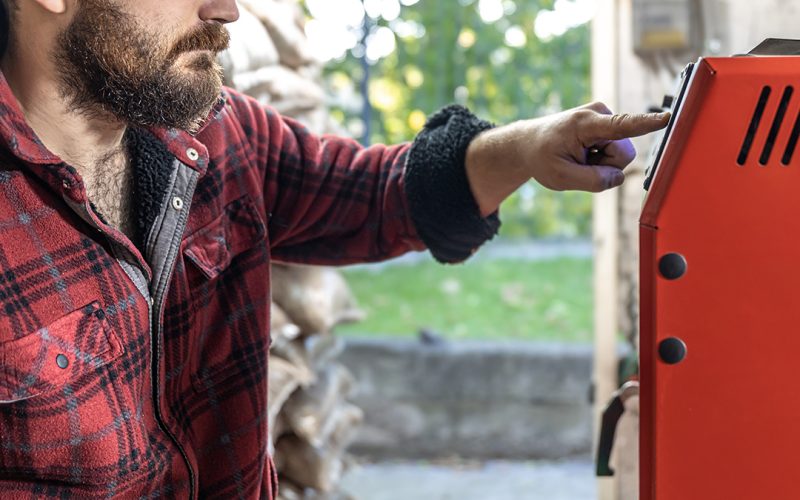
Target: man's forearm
{"x":494,"y":167}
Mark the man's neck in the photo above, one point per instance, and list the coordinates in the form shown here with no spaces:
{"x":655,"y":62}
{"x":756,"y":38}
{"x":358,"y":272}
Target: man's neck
{"x":80,"y":139}
{"x":95,"y":147}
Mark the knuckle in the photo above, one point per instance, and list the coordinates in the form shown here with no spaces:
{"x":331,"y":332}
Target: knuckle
{"x":620,"y":120}
{"x":599,"y":106}
{"x":581,"y":116}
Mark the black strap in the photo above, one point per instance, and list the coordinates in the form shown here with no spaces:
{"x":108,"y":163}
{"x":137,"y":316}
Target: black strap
{"x":608,"y":429}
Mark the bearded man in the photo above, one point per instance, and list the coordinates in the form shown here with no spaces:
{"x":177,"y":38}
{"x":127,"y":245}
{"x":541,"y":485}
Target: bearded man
{"x":140,"y":206}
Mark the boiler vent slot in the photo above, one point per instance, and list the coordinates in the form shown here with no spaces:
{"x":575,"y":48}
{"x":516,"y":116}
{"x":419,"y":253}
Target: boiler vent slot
{"x":776,"y":125}
{"x":792,"y":145}
{"x":754,"y":123}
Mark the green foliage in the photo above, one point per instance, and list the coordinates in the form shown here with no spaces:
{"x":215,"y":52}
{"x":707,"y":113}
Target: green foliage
{"x":535,"y":211}
{"x":446,"y":53}
{"x":545,"y":300}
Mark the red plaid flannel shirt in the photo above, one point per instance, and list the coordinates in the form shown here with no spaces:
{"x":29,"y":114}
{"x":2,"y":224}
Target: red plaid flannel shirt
{"x":143,"y":374}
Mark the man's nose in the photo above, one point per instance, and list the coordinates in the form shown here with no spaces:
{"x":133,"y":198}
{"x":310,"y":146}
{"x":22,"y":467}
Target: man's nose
{"x":223,"y":11}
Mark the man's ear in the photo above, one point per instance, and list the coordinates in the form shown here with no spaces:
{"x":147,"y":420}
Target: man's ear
{"x":54,"y":6}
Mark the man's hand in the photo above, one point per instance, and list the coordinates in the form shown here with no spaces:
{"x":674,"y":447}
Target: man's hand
{"x":556,"y":151}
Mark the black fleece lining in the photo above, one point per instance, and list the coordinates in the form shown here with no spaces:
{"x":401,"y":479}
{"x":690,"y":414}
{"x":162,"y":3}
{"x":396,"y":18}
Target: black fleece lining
{"x":152,"y":167}
{"x":441,"y":202}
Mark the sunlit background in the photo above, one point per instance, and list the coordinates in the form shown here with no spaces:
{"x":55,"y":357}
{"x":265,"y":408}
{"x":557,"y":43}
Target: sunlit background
{"x":391,"y":63}
{"x":503,"y":58}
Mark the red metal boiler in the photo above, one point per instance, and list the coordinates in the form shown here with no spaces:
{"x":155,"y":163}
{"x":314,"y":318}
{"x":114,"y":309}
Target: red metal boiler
{"x":720,"y":286}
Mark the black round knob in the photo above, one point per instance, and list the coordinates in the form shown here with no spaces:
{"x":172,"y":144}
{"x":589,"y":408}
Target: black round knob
{"x":672,"y":350}
{"x":672,"y":266}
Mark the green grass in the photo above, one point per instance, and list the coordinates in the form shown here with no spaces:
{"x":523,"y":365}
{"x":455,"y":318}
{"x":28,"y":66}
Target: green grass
{"x":486,"y":299}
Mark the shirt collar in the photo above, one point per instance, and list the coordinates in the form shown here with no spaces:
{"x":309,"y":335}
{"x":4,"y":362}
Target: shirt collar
{"x":15,"y":133}
{"x":184,"y":145}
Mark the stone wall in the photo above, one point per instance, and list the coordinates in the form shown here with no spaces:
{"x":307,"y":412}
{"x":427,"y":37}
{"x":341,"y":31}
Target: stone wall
{"x":475,"y":400}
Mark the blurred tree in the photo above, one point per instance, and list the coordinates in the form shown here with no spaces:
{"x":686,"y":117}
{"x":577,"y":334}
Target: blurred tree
{"x":504,"y":59}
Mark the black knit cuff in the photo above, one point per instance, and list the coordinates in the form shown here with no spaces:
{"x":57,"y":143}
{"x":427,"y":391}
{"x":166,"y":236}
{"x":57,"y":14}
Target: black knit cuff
{"x":443,"y":208}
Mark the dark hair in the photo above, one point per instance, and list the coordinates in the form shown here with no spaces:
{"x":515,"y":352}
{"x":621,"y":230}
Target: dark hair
{"x":4,"y":27}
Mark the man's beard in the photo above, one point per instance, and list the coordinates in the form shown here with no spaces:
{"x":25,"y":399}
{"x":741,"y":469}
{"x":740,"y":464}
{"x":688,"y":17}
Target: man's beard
{"x":110,"y":65}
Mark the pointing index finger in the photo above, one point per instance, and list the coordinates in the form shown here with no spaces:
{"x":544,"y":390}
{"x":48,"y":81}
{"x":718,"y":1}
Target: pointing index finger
{"x":617,"y":127}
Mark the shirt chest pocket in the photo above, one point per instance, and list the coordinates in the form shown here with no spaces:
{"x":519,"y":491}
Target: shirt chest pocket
{"x":229,"y":289}
{"x":212,"y":248}
{"x":61,"y":416}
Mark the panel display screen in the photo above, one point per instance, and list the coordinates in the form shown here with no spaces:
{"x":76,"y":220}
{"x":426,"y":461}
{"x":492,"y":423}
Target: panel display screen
{"x":664,"y":135}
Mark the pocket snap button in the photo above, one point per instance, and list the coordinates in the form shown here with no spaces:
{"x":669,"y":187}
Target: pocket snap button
{"x":62,"y":361}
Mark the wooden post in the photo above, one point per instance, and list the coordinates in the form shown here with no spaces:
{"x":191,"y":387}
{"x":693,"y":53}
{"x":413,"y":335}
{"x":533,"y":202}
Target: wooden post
{"x":605,"y":64}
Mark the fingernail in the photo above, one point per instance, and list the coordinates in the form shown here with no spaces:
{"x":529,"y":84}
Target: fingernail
{"x":616,"y":179}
